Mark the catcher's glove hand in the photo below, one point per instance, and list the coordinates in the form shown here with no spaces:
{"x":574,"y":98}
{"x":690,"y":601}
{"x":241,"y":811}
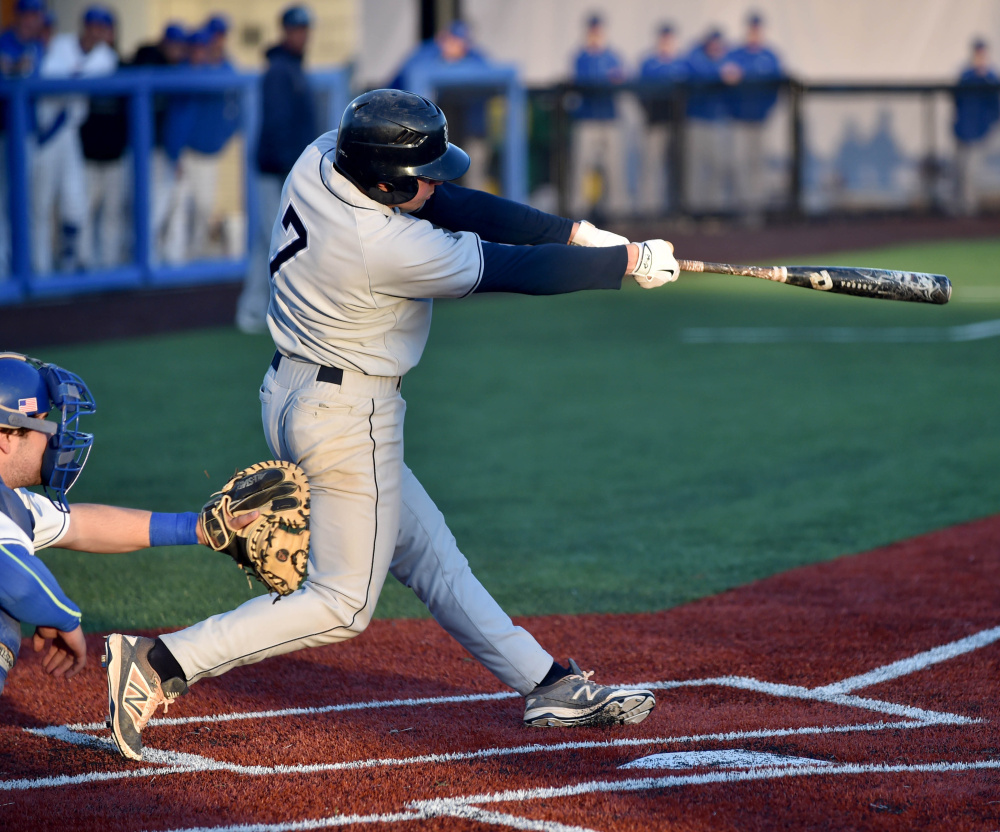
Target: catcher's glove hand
{"x":274,"y":548}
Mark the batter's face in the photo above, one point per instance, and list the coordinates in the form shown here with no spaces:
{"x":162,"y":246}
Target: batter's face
{"x":21,"y":457}
{"x":425,"y":190}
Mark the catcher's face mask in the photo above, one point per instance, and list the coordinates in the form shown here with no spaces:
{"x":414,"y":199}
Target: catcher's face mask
{"x":29,"y":388}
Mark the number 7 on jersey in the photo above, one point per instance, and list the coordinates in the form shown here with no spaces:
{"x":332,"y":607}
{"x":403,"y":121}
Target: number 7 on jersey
{"x":298,"y":243}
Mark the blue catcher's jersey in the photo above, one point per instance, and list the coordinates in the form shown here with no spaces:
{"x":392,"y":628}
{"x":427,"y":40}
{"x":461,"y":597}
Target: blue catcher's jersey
{"x":28,"y":590}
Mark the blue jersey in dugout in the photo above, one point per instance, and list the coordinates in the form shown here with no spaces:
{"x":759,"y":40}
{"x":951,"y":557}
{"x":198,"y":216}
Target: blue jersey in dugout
{"x":604,"y":67}
{"x":977,"y":105}
{"x":752,"y":100}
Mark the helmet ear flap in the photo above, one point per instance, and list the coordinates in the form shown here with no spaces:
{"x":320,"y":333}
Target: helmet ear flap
{"x":395,"y":192}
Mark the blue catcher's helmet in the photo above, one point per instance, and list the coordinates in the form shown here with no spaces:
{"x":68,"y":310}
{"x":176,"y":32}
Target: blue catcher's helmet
{"x":28,"y":388}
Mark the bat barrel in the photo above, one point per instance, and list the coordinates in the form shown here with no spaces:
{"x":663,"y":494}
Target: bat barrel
{"x":918,"y":287}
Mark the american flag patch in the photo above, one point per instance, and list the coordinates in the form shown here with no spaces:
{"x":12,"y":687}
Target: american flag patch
{"x":27,"y":405}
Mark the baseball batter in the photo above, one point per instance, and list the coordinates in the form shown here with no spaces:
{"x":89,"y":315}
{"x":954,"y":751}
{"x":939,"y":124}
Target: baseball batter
{"x":369,"y":233}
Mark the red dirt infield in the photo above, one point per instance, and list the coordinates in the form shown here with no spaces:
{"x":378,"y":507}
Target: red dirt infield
{"x":856,"y":694}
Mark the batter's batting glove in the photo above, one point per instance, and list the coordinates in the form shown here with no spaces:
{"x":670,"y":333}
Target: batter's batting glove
{"x":656,"y":264}
{"x":593,"y":237}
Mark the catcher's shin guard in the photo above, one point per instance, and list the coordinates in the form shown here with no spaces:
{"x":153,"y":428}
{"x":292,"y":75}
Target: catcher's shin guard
{"x":134,"y":690}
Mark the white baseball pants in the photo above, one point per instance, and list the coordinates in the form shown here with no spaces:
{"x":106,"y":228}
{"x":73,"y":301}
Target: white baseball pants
{"x":192,"y":204}
{"x":370,"y":516}
{"x":103,"y":232}
{"x":59,"y":191}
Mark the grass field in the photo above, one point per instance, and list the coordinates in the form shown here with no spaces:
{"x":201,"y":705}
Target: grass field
{"x":587,"y":456}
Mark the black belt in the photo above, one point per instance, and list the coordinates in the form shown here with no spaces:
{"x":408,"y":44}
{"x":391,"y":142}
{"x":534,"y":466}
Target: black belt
{"x":331,"y":375}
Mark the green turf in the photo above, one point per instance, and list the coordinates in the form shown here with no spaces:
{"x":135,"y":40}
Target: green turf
{"x":586,"y":458}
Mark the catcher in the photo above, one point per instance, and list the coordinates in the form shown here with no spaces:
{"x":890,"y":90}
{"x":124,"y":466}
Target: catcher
{"x":51,"y":452}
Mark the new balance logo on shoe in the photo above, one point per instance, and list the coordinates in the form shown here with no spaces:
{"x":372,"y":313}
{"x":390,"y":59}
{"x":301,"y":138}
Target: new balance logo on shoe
{"x":591,"y":692}
{"x":137,"y":693}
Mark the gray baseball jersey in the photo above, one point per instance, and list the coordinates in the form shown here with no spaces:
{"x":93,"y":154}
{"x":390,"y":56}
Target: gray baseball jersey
{"x":352,"y":288}
{"x":353,"y":280}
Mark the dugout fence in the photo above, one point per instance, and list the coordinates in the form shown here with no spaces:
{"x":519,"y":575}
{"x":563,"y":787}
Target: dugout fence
{"x":825,"y":150}
{"x":141,"y":267}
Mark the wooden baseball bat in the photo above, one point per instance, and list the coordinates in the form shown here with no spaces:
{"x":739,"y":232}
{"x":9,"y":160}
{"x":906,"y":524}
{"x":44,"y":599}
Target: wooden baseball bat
{"x":842,"y":280}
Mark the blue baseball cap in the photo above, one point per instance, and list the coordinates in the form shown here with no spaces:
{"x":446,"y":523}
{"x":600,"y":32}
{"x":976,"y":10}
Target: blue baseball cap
{"x":595,"y":20}
{"x":98,"y":16}
{"x":459,"y":29}
{"x":29,"y":6}
{"x":296,"y":16}
{"x":217,"y":25}
{"x":174,"y":33}
{"x":199,"y":37}
{"x":755,"y":19}
{"x":666,"y":29}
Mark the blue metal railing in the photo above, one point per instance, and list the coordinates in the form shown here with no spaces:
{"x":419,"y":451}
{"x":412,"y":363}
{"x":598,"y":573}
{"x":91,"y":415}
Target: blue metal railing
{"x":503,"y":80}
{"x":139,"y":87}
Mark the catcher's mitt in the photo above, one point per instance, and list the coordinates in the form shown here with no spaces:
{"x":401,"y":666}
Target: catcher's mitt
{"x":274,"y":548}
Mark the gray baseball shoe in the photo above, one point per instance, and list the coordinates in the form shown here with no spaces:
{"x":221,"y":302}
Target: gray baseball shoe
{"x":575,"y":700}
{"x":134,"y":690}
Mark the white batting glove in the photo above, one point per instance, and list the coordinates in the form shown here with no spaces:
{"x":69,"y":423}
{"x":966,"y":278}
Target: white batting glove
{"x":656,"y":264}
{"x":593,"y":237}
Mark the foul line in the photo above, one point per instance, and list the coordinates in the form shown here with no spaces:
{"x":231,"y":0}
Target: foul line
{"x":911,"y":665}
{"x":840,"y":334}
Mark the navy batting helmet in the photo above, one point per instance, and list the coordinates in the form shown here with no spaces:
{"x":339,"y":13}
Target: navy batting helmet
{"x":29,"y":388}
{"x":393,"y":137}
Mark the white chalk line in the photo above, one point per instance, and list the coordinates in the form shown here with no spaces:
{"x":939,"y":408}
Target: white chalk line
{"x":373,"y":704}
{"x":181,"y":763}
{"x":456,"y":806}
{"x":840,"y":334}
{"x":724,"y":776}
{"x":905,"y":667}
{"x":175,"y":762}
{"x":813,"y":694}
{"x":977,"y":294}
{"x":826,"y":693}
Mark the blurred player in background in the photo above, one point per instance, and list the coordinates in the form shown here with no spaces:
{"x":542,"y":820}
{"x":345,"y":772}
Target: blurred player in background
{"x":20,"y":55}
{"x":658,"y":73}
{"x":750,"y":67}
{"x":452,"y":49}
{"x":57,"y":168}
{"x":198,"y":127}
{"x":218,"y":31}
{"x":288,"y":123}
{"x":104,"y":139}
{"x":977,"y":109}
{"x":170,"y":50}
{"x":597,"y":143}
{"x":36,"y":451}
{"x":709,"y":168}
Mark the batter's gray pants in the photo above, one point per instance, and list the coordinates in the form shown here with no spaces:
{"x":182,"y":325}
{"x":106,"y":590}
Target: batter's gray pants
{"x":370,"y":516}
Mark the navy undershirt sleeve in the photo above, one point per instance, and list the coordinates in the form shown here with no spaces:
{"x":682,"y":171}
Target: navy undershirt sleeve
{"x":551,"y":269}
{"x":493,"y":218}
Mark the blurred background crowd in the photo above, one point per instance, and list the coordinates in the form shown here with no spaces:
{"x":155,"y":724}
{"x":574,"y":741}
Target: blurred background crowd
{"x":145,"y":143}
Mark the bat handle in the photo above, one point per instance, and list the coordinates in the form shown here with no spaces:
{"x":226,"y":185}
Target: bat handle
{"x":776,"y":273}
